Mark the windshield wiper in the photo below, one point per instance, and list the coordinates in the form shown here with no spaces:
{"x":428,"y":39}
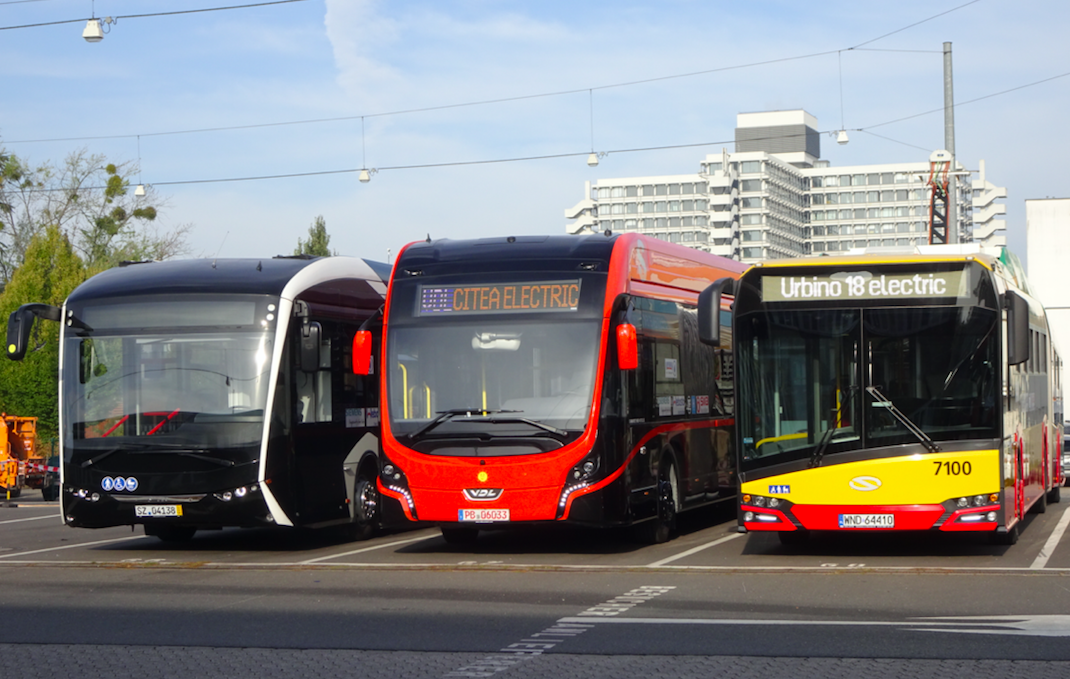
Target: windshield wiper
{"x":159,"y":449}
{"x":98,"y":458}
{"x":207,"y":458}
{"x":826,"y":438}
{"x":183,"y":451}
{"x":524,"y":420}
{"x":883,"y":401}
{"x":445,"y":415}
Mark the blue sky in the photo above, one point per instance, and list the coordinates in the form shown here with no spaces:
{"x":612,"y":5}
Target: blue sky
{"x":344,"y":59}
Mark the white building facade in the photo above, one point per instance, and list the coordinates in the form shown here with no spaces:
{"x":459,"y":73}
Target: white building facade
{"x":1047,"y":227}
{"x":774,"y":198}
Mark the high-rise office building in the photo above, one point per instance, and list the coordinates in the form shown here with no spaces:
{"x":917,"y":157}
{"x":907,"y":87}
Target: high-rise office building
{"x":775,"y":198}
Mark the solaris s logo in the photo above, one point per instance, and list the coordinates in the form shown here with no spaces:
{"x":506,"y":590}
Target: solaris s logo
{"x":865,"y":483}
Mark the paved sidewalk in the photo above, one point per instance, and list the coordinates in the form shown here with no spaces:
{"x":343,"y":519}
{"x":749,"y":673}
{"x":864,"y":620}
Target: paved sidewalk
{"x":32,"y":661}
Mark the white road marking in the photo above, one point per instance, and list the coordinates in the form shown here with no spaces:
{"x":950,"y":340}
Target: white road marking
{"x":365,"y":549}
{"x":33,"y":518}
{"x":80,"y":544}
{"x":694,"y":550}
{"x":731,"y":621}
{"x":536,"y":644}
{"x":1015,"y":625}
{"x":1053,"y":541}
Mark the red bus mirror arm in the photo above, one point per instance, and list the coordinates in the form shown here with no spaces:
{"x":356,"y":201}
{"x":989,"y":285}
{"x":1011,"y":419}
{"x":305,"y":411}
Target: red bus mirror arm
{"x":362,"y":352}
{"x":627,"y":347}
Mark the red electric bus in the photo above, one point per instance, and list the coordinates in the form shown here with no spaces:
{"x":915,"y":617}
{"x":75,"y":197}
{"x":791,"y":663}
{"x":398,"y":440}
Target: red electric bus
{"x":546,"y":379}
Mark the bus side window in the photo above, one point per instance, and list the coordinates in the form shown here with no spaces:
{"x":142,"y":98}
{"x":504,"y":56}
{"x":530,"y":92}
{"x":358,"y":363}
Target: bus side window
{"x":314,"y":389}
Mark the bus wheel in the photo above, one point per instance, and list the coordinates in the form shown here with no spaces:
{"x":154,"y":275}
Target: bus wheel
{"x":1008,"y":538}
{"x":366,"y":509}
{"x":663,"y":528}
{"x":170,"y":533}
{"x":459,"y":535}
{"x":1054,"y":495}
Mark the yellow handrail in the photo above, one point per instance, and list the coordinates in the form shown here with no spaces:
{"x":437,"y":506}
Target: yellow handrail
{"x":404,"y":391}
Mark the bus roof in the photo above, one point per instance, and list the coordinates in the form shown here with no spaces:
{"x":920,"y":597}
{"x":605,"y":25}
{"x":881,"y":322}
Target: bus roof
{"x":637,"y":264}
{"x":235,"y":276}
{"x":654,"y":262}
{"x":852,"y":259}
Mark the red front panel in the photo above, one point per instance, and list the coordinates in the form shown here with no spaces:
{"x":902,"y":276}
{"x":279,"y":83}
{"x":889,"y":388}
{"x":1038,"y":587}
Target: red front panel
{"x":907,"y":517}
{"x":530,"y":485}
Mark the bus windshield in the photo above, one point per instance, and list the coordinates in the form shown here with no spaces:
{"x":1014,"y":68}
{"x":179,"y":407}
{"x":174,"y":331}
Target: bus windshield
{"x":518,"y":374}
{"x":818,"y":382}
{"x":185,"y":388}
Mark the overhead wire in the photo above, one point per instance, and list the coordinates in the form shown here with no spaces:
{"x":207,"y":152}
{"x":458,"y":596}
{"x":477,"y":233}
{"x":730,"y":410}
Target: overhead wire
{"x":858,"y":47}
{"x":499,"y":100}
{"x":142,"y":16}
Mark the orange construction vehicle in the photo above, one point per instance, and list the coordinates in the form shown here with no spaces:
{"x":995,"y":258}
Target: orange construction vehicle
{"x":21,"y":464}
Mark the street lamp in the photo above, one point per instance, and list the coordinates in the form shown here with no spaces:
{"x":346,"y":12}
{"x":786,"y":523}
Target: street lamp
{"x":94,"y":31}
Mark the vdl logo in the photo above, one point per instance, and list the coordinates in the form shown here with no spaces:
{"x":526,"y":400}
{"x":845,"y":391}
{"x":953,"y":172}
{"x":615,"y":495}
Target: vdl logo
{"x":119,"y":484}
{"x":483,"y":494}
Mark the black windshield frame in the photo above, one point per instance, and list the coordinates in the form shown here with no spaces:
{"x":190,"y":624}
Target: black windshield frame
{"x":804,"y":368}
{"x":165,"y":382}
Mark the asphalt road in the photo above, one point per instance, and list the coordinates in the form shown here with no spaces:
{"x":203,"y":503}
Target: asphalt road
{"x":532,"y":603}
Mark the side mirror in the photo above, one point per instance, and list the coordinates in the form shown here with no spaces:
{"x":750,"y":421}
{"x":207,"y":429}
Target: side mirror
{"x":1017,"y":328}
{"x":627,"y":347}
{"x":362,"y":353}
{"x":310,"y":347}
{"x":20,"y":323}
{"x":709,"y":310}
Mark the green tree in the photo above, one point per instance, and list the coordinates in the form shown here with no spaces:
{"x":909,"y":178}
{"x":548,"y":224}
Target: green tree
{"x":92,"y":203}
{"x":50,"y":271}
{"x":318,"y":243}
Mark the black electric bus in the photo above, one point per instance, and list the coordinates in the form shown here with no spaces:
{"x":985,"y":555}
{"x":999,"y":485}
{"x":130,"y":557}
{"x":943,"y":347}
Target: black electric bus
{"x":205,"y":394}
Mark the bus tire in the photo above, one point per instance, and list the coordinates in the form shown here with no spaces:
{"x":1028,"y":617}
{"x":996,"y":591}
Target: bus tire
{"x":167,"y":533}
{"x":459,"y":535}
{"x":1055,"y":495}
{"x":663,"y":527}
{"x":1008,"y":538}
{"x":366,"y":508}
{"x":1041,"y":504}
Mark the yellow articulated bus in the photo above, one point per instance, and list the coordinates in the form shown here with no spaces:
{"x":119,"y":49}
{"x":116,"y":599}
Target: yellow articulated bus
{"x":892,"y":392}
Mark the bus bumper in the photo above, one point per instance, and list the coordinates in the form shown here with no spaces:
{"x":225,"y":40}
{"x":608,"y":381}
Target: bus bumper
{"x":201,"y":510}
{"x":868,"y":518}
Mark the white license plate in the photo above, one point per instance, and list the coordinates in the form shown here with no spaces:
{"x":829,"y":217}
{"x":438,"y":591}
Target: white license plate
{"x":867,"y":520}
{"x":483,"y":515}
{"x":158,"y":510}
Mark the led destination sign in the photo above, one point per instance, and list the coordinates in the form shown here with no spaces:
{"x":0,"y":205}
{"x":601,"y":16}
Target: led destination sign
{"x":499,"y":298}
{"x":861,"y":285}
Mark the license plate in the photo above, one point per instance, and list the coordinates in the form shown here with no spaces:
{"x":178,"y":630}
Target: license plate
{"x":158,"y":510}
{"x":867,"y":520}
{"x":483,"y":515}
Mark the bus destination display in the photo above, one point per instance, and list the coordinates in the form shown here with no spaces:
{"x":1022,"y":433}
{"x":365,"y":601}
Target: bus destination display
{"x":859,"y":285}
{"x":499,"y":298}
